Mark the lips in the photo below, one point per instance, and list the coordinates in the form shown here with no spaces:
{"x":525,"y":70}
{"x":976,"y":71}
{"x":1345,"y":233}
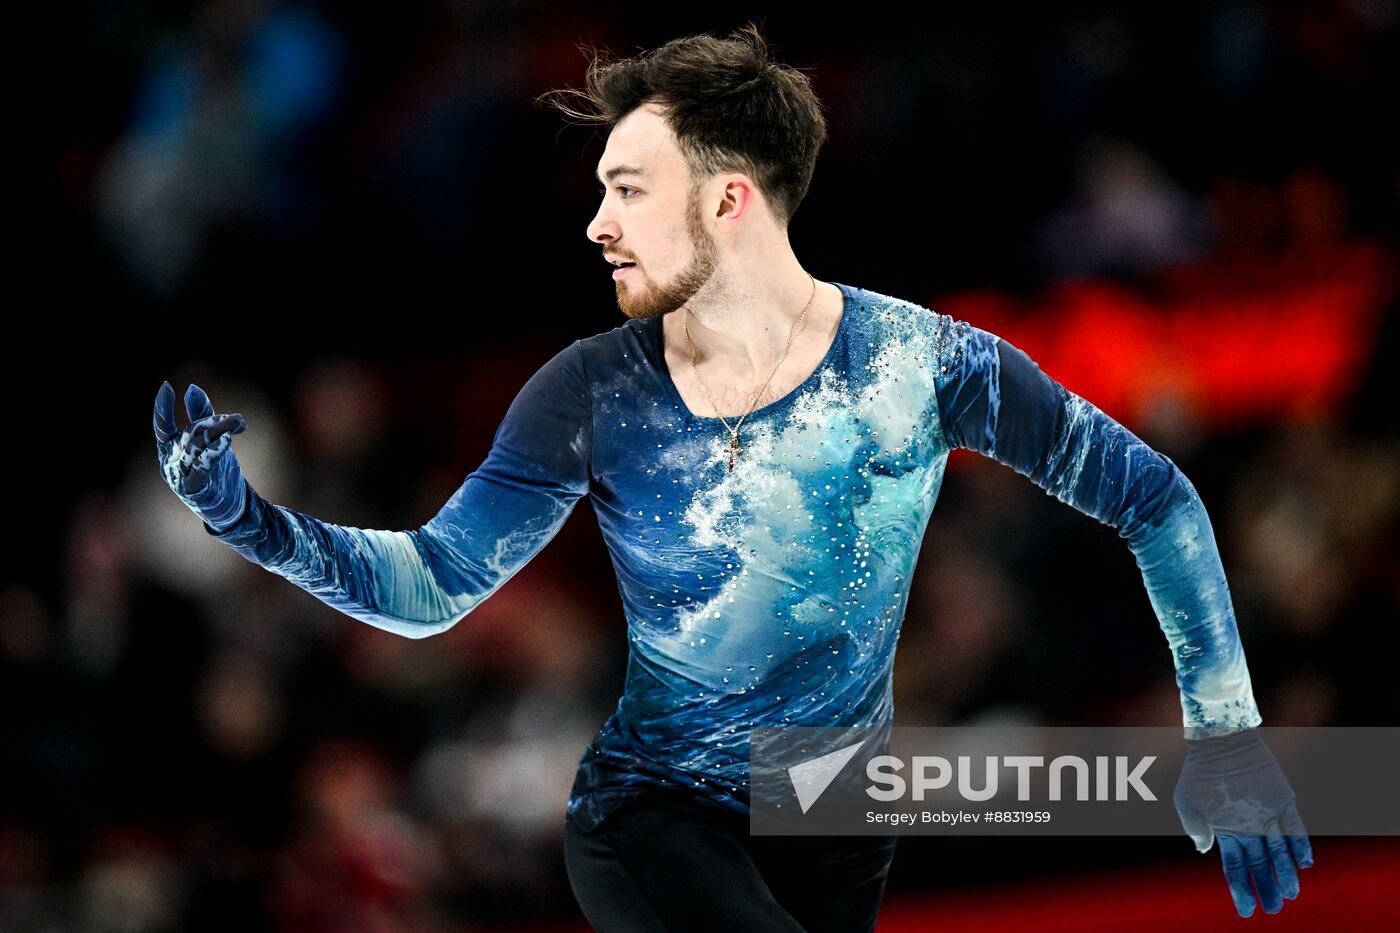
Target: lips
{"x":622,"y":270}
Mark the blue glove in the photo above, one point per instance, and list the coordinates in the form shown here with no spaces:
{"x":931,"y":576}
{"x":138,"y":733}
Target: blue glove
{"x":198,"y":462}
{"x":1231,"y":786}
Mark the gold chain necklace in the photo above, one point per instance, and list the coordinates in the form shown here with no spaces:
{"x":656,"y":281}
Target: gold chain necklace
{"x":734,"y":431}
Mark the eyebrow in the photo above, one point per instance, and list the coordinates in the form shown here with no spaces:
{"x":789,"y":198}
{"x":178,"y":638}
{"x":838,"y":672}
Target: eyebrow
{"x":614,"y":172}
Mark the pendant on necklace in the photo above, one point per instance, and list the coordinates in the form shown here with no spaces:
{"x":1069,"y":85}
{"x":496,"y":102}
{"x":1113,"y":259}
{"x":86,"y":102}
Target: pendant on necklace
{"x":733,"y":450}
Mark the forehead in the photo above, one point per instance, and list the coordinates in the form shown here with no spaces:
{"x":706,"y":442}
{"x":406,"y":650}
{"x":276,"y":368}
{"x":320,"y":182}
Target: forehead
{"x":642,"y":141}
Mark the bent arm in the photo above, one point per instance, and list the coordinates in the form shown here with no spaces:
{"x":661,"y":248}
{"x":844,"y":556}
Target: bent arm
{"x":992,"y":398}
{"x":421,"y":582}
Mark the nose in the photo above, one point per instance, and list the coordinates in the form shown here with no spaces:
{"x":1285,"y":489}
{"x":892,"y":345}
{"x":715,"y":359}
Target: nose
{"x":602,"y":229}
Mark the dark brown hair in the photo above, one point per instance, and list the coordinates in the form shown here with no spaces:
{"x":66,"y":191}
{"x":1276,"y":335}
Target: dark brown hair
{"x":731,"y":106}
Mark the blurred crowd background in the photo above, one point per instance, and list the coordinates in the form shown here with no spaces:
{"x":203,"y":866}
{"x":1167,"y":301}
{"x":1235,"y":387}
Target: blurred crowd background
{"x":354,"y":226}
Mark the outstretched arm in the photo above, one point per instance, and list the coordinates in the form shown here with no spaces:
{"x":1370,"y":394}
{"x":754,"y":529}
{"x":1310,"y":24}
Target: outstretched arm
{"x":421,"y":582}
{"x":992,"y":398}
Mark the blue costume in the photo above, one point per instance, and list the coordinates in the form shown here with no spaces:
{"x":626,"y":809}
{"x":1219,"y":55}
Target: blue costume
{"x":771,"y":594}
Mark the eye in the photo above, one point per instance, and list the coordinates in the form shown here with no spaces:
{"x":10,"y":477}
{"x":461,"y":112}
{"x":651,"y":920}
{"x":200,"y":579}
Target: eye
{"x":603,"y":192}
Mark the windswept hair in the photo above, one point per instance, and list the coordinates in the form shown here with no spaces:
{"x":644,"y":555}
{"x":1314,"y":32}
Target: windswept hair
{"x":731,"y":106}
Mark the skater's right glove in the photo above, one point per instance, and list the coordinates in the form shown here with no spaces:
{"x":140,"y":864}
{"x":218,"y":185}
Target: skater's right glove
{"x":198,"y":462}
{"x":1232,"y":787}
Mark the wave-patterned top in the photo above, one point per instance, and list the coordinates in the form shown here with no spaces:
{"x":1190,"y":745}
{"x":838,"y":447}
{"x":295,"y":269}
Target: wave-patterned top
{"x":771,"y":594}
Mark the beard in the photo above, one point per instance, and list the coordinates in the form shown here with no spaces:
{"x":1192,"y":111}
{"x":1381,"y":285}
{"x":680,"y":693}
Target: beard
{"x":642,"y":301}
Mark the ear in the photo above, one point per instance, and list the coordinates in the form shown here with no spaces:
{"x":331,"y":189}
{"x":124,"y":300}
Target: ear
{"x":738,"y":197}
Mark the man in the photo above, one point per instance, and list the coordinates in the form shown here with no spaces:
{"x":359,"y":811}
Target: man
{"x":763,"y":452}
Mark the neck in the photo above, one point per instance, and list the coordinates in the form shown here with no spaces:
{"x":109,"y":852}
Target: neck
{"x":744,"y":324}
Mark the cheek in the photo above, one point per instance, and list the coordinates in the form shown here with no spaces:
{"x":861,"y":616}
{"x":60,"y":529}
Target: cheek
{"x":669,"y":251}
{"x":661,"y":248}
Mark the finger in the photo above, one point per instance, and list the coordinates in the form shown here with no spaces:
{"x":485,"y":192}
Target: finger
{"x":1297,"y":836}
{"x":197,"y":404}
{"x":224,"y":424}
{"x":1237,"y":875}
{"x":1261,"y":869}
{"x":1196,"y":826}
{"x":1282,"y":858}
{"x":164,"y":417}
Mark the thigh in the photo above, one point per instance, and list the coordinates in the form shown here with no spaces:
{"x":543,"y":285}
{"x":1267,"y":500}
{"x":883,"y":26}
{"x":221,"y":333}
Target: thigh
{"x":827,"y":883}
{"x":669,"y":867}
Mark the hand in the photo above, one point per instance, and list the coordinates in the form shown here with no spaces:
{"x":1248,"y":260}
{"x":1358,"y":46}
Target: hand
{"x":198,"y":462}
{"x":1232,"y":786}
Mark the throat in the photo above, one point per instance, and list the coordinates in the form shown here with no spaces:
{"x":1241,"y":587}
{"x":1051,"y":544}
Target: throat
{"x":710,"y":389}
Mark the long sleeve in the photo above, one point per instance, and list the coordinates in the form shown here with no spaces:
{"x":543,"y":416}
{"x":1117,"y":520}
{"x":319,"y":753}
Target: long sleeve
{"x":421,"y":582}
{"x":992,"y":398}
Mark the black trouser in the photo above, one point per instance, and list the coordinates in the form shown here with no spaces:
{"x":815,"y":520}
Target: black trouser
{"x":660,"y":864}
